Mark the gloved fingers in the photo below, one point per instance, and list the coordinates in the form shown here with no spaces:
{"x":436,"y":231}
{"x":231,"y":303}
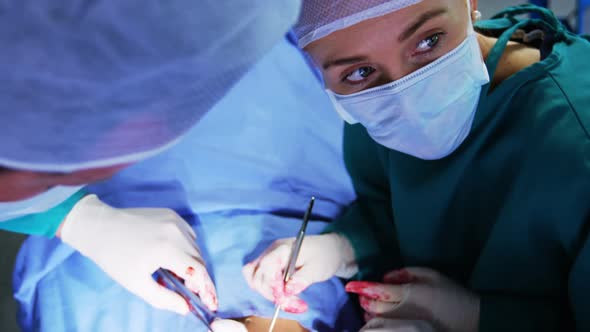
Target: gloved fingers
{"x":299,"y":282}
{"x":176,"y":232}
{"x":249,"y":271}
{"x":200,"y":282}
{"x":274,"y":287}
{"x":288,"y":303}
{"x":190,"y":247}
{"x":187,"y":232}
{"x":176,"y":220}
{"x":160,"y":297}
{"x":270,"y":249}
{"x":377,"y":291}
{"x":376,"y":307}
{"x":164,"y":218}
{"x":413,"y":274}
{"x":303,"y":277}
{"x":269,"y":270}
{"x":276,"y":244}
{"x":185,"y":226}
{"x":195,"y":276}
{"x":399,"y":277}
{"x":367,"y":316}
{"x":294,"y":305}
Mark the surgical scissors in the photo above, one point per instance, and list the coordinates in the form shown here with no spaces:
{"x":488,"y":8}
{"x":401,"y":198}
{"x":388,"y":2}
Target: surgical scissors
{"x":196,"y":306}
{"x":293,"y":258}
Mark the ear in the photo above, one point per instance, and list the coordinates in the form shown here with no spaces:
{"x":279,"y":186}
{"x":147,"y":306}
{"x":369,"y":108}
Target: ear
{"x":475,"y":14}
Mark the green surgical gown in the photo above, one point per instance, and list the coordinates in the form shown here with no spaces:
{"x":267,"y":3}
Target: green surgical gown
{"x":507,"y":215}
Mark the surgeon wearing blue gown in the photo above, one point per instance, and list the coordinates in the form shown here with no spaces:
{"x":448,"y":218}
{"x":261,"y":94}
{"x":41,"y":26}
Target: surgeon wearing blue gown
{"x":90,"y":87}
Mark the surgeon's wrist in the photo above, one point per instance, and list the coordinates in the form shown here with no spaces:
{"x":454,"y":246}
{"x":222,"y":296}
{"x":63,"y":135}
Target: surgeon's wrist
{"x":83,"y":224}
{"x":75,"y":210}
{"x":348,"y":265}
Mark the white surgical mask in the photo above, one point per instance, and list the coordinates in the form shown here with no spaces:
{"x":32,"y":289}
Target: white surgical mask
{"x":427,"y":114}
{"x":36,"y":204}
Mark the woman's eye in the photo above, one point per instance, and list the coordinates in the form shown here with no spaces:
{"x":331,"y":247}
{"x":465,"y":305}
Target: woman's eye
{"x":360,"y":74}
{"x":429,"y":43}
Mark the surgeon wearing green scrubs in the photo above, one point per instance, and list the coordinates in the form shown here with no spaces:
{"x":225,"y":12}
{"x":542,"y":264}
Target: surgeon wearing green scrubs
{"x":468,"y":142}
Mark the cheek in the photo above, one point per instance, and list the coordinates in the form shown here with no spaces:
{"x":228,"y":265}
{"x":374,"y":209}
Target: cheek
{"x":15,"y":187}
{"x":20,"y":194}
{"x":87,"y":176}
{"x":333,"y":83}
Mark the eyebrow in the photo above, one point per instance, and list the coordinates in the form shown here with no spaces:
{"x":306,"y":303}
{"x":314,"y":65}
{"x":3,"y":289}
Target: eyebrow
{"x":423,"y":19}
{"x":344,"y":61}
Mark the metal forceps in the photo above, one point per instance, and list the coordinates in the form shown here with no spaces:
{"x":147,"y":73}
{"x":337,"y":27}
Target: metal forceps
{"x":293,"y":258}
{"x":195,"y":304}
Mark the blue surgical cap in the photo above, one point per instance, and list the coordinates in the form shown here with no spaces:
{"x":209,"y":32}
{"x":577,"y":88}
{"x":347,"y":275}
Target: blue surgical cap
{"x":94,"y":83}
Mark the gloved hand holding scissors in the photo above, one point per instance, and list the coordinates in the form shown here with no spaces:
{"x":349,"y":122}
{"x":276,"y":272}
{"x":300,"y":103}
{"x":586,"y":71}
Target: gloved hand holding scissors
{"x":420,"y":294}
{"x":321,"y":257}
{"x":131,"y":244}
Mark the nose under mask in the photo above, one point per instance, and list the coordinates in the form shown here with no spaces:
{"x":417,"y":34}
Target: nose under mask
{"x":427,"y":114}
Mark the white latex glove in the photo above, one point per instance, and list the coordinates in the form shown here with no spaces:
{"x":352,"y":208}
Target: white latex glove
{"x":131,"y":244}
{"x":321,"y":257}
{"x":420,"y":294}
{"x":394,"y":325}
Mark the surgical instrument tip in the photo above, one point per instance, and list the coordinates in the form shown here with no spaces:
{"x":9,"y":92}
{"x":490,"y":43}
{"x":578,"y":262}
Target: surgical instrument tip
{"x":196,"y":307}
{"x":293,"y":258}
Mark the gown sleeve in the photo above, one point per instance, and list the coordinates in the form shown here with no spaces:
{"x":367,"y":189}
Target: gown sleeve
{"x":45,"y":223}
{"x":368,"y":222}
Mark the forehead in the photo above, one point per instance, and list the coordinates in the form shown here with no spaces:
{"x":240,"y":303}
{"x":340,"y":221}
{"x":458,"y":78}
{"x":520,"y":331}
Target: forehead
{"x":374,"y":32}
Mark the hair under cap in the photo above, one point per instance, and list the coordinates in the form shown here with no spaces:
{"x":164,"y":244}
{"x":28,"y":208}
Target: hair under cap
{"x":320,"y":18}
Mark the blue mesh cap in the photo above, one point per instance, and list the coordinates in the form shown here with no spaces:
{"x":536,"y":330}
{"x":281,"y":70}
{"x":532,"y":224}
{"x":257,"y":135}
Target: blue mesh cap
{"x":91,"y":83}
